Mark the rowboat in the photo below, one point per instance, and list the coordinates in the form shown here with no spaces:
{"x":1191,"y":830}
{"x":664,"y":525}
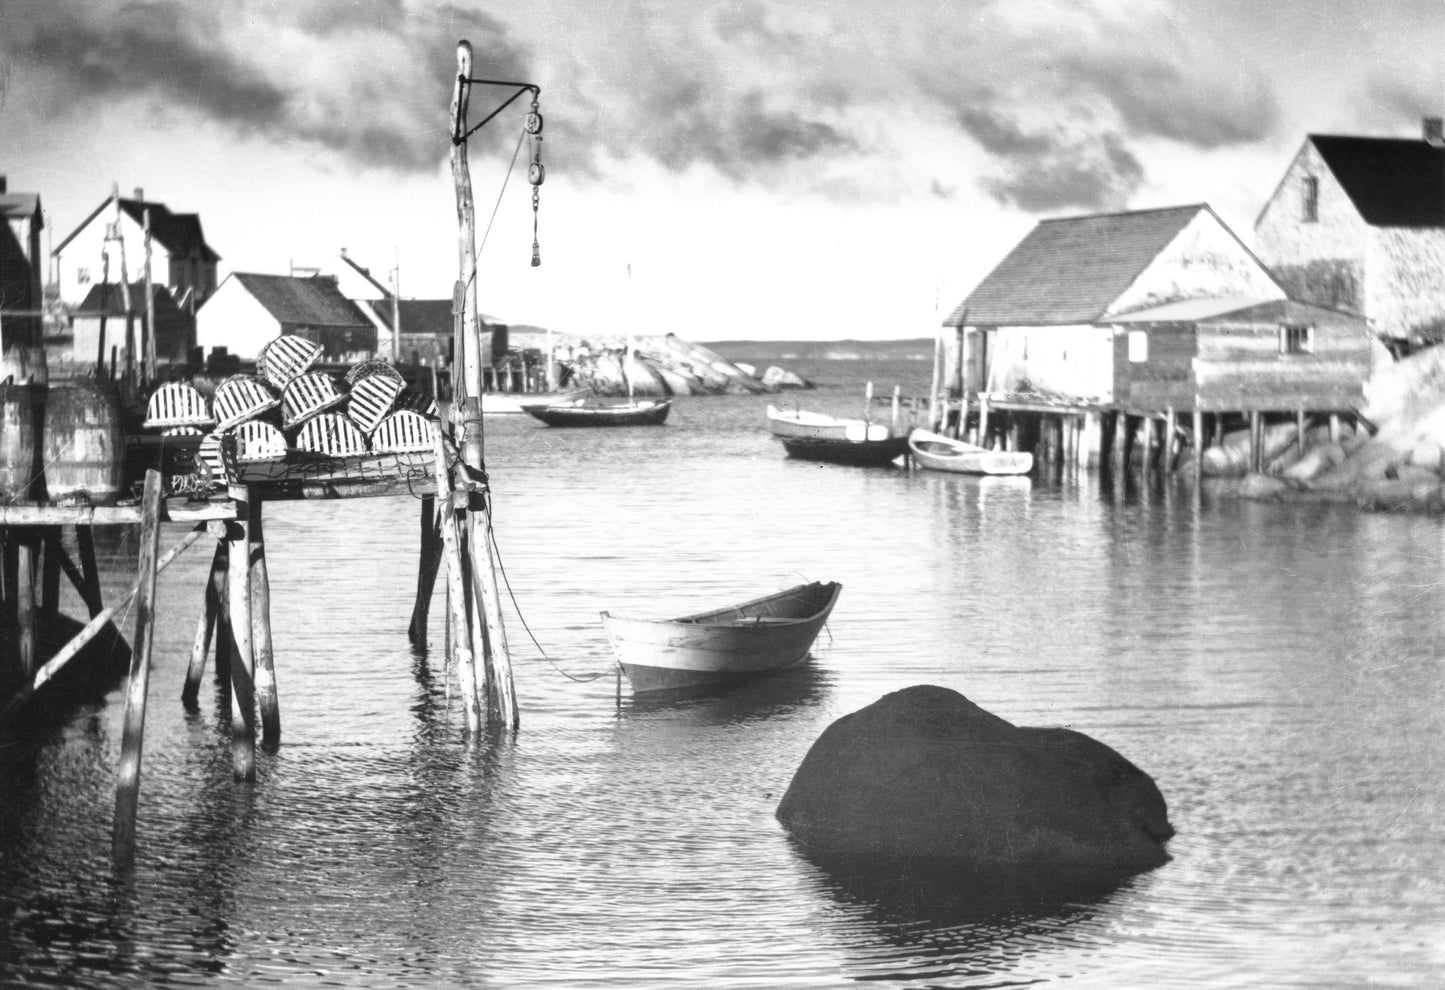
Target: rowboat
{"x":857,"y":452}
{"x":641,"y":412}
{"x":503,"y":403}
{"x":722,"y":645}
{"x":940,"y":453}
{"x":820,"y":426}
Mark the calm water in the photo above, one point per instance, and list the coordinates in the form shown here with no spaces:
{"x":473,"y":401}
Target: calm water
{"x":1277,"y":669}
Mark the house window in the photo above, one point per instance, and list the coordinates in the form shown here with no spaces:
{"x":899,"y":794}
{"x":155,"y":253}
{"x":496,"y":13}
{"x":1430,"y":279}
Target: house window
{"x":1296,"y":338}
{"x":1311,"y":199}
{"x":1138,"y":346}
{"x":82,"y":276}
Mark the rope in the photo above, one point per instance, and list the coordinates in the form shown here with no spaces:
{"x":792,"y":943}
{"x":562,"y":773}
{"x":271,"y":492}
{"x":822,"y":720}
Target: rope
{"x":491,"y":534}
{"x":498,"y":204}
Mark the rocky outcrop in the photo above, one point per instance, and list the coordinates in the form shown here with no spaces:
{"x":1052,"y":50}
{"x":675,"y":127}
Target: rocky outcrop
{"x":925,"y":774}
{"x":1400,"y":465}
{"x":653,"y":366}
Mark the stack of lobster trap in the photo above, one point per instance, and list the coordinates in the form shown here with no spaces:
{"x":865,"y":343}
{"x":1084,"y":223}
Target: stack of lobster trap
{"x":288,"y":422}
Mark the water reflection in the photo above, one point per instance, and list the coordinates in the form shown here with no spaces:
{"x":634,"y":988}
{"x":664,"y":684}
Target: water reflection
{"x":774,"y":696}
{"x":951,"y":926}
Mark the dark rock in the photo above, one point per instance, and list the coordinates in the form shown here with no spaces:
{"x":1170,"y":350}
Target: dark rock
{"x":925,"y":774}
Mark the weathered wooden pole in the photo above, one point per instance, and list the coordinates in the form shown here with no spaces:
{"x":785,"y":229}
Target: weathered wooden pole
{"x":935,"y":418}
{"x":243,"y":659}
{"x":467,"y":402}
{"x":207,"y":624}
{"x":1256,"y":440}
{"x":1299,"y":418}
{"x":25,"y":598}
{"x":962,"y":377}
{"x":148,"y":347}
{"x":1198,"y":452}
{"x":459,"y":638}
{"x":429,"y":559}
{"x":127,"y":791}
{"x":260,"y":601}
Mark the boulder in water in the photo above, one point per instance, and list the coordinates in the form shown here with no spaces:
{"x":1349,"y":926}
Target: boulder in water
{"x":924,"y":774}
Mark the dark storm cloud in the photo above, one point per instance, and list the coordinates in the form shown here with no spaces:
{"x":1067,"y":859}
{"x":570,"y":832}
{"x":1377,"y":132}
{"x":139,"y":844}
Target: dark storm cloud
{"x":1063,"y":179}
{"x":370,"y":81}
{"x":1155,"y":98}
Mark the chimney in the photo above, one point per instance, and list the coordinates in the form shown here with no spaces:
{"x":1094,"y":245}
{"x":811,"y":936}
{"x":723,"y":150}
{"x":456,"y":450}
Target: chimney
{"x":3,"y":187}
{"x":140,"y":194}
{"x":1434,"y":128}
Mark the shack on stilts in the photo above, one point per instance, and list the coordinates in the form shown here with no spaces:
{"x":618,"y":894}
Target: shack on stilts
{"x":1120,"y":340}
{"x":211,"y":462}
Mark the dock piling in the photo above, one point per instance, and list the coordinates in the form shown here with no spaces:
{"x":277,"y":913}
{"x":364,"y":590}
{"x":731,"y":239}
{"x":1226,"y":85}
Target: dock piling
{"x":127,"y":790}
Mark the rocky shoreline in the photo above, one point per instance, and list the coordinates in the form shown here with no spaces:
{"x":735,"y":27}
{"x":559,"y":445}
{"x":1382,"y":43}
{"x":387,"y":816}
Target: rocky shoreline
{"x":1395,"y":463}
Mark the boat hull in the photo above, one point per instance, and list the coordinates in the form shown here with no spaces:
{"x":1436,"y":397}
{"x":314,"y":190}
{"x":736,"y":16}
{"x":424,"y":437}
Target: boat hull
{"x":731,"y":644}
{"x":804,"y":425}
{"x":859,"y":453}
{"x":644,"y":413}
{"x":939,"y":453}
{"x":516,"y":403}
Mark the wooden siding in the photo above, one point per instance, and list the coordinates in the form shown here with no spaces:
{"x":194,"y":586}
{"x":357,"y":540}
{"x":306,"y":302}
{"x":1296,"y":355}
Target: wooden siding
{"x":1240,"y":367}
{"x":1204,"y":260}
{"x":1165,"y":380}
{"x":1320,"y":261}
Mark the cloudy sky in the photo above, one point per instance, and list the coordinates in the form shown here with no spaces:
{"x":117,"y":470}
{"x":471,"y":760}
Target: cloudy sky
{"x":815,"y":169}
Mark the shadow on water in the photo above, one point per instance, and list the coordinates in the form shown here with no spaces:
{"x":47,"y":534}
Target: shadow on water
{"x":754,"y":699}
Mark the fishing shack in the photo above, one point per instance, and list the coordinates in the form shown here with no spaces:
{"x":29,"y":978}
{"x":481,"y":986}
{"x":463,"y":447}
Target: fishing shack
{"x":1097,"y":331}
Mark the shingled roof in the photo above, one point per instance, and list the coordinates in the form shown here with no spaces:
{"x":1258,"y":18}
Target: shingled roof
{"x":311,"y":302}
{"x":1393,"y":182}
{"x":1069,"y":270}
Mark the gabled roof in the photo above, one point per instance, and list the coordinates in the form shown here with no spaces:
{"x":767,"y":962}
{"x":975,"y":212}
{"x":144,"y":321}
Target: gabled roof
{"x":1070,"y":269}
{"x":178,"y":233}
{"x":312,"y":302}
{"x":1393,"y":182}
{"x":420,"y":316}
{"x":23,"y":206}
{"x":107,"y":296}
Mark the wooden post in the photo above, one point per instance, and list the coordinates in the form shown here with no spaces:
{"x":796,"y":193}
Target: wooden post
{"x":1198,"y":452}
{"x":1256,"y":441}
{"x":127,"y":791}
{"x":429,"y":559}
{"x":243,"y":660}
{"x":1170,"y":425}
{"x":207,"y":625}
{"x":148,"y":347}
{"x":52,"y":560}
{"x":260,"y":601}
{"x":1334,"y":427}
{"x":467,"y":333}
{"x":935,"y":420}
{"x":456,"y":596}
{"x":897,"y":392}
{"x":89,"y":571}
{"x":25,"y":598}
{"x":963,"y":377}
{"x":982,"y":420}
{"x":1299,"y":418}
{"x":501,"y":688}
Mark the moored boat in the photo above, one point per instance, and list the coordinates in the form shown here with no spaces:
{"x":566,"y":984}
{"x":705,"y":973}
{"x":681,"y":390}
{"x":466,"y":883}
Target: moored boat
{"x":722,"y":645}
{"x":820,"y":426}
{"x":503,"y":403}
{"x":639,"y":412}
{"x":858,"y":452}
{"x":941,"y":453}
